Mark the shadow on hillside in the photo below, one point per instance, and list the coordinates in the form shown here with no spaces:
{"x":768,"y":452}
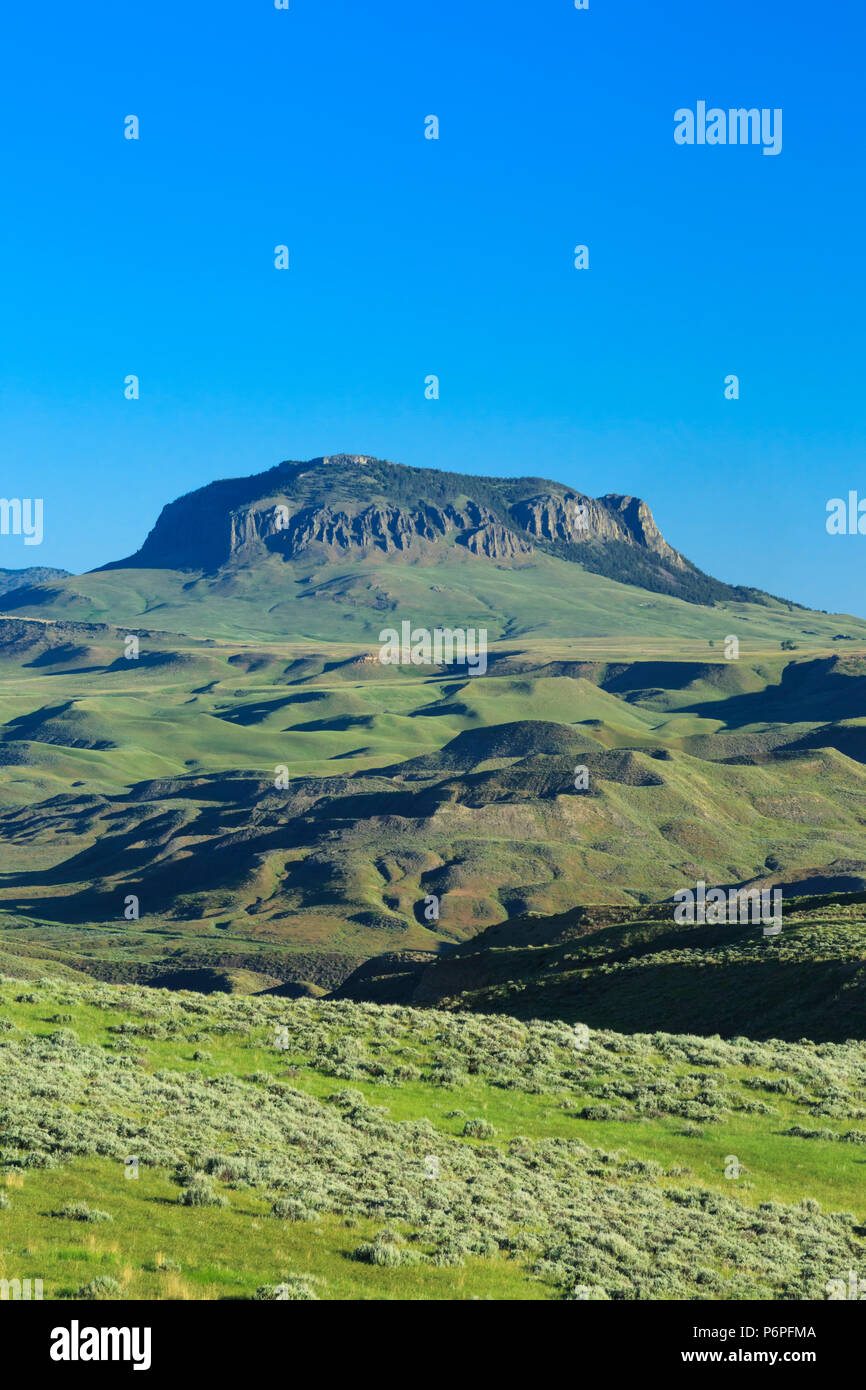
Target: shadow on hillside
{"x":809,"y":691}
{"x":789,"y":1000}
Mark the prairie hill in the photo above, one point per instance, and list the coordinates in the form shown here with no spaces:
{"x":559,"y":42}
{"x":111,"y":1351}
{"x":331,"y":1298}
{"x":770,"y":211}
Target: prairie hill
{"x":157,"y":778}
{"x":31,"y":574}
{"x":609,"y":967}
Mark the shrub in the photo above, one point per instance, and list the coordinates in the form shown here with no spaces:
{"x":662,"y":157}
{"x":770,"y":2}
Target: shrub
{"x":449,"y":1255}
{"x":293,"y":1209}
{"x":478,"y":1129}
{"x":198,"y":1192}
{"x":80,"y":1211}
{"x":295,"y":1288}
{"x":103,"y":1286}
{"x":381,"y":1251}
{"x":602,"y":1112}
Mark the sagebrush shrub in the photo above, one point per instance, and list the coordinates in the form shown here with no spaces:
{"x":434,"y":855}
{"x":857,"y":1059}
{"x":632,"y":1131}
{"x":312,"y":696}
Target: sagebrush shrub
{"x":201,"y":1193}
{"x":103,"y":1286}
{"x":80,"y":1211}
{"x":479,"y":1129}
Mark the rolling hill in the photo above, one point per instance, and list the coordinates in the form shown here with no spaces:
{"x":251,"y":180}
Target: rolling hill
{"x":372,"y":969}
{"x":176,"y":796}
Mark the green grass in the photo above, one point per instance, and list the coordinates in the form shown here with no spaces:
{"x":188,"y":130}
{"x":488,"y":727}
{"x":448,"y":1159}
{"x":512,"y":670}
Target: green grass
{"x":650,"y":973}
{"x":158,"y":780}
{"x":91,"y":1074}
{"x":222,"y":1252}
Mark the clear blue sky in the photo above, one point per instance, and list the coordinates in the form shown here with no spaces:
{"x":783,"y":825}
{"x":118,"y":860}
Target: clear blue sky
{"x":453,"y":257}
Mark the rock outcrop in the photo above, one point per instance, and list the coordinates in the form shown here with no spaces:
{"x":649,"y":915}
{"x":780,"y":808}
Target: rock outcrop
{"x":497,"y":542}
{"x":386,"y":529}
{"x":578,"y":519}
{"x":353,"y":504}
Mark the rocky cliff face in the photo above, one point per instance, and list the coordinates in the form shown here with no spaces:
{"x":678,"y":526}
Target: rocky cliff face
{"x":577,"y":519}
{"x":496,"y":541}
{"x":382,"y":528}
{"x":638,"y":521}
{"x":352,"y":504}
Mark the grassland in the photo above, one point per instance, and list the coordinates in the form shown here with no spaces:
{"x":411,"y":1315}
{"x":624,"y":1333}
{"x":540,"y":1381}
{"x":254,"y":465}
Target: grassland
{"x":647,"y":972}
{"x":344,"y":599}
{"x":158,"y":778}
{"x":414,"y":1154}
{"x":545,"y":1091}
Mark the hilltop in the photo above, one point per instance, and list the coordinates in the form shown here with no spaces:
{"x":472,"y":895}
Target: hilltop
{"x":326,"y":549}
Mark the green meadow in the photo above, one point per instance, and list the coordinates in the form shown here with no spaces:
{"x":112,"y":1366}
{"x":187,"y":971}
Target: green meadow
{"x":288,"y":811}
{"x":341,"y":1150}
{"x":322,"y":978}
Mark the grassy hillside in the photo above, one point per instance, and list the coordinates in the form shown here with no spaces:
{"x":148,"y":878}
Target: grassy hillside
{"x":301,"y":1149}
{"x":351,"y":599}
{"x":289,"y":811}
{"x":646,"y":972}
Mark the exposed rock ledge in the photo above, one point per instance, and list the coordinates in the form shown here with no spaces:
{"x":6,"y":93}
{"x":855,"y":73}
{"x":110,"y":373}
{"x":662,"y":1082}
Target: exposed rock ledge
{"x":383,"y":528}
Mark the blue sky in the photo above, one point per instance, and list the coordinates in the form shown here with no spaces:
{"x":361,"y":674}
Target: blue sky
{"x":454,"y":257}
